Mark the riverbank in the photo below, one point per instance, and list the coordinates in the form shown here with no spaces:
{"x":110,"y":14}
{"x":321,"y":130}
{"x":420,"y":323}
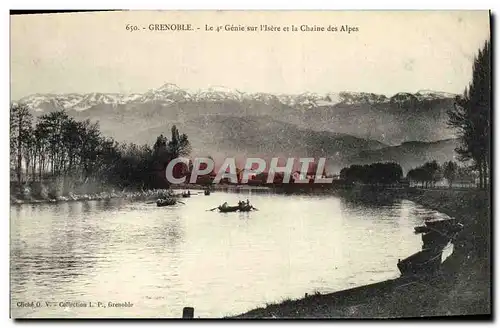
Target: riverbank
{"x":148,"y":195}
{"x":222,"y":187}
{"x":463,"y":286}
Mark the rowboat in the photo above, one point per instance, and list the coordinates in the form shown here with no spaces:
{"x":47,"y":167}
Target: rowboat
{"x":165,"y":202}
{"x":241,"y":208}
{"x":435,"y":240}
{"x":422,"y":229}
{"x":246,"y":208}
{"x":227,"y":209}
{"x":445,"y":225}
{"x":424,"y":262}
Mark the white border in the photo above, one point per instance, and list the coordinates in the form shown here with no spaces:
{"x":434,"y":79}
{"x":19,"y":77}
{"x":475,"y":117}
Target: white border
{"x":190,"y":5}
{"x":256,"y":4}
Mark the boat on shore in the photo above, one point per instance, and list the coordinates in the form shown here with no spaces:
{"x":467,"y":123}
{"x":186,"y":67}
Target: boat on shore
{"x":448,"y":225}
{"x":427,"y":261}
{"x":435,"y":239}
{"x":422,"y":229}
{"x":436,"y":235}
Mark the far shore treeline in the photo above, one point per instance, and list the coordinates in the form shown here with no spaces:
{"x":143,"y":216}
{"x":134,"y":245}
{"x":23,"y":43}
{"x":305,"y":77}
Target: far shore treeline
{"x":56,"y":154}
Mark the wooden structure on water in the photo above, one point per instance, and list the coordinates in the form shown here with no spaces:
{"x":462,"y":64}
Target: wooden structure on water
{"x":436,"y":235}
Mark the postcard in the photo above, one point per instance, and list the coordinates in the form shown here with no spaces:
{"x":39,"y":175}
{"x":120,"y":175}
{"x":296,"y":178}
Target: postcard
{"x":250,"y":164}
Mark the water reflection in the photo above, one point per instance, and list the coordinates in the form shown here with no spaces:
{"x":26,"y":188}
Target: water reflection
{"x":390,"y":210}
{"x":163,"y":259}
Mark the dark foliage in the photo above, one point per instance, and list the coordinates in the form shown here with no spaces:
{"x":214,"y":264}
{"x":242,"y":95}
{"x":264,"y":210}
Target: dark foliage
{"x":377,"y":173}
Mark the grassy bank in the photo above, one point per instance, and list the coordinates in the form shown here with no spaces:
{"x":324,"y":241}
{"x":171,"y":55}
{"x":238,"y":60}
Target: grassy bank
{"x":222,"y":187}
{"x":30,"y":196}
{"x":58,"y":191}
{"x":461,"y":288}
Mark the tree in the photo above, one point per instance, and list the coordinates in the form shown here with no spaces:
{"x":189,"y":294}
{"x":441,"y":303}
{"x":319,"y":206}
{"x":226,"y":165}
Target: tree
{"x":179,"y":144}
{"x":29,"y":151}
{"x":90,"y":150}
{"x":431,"y":172}
{"x":419,"y":175}
{"x":20,"y":135}
{"x":40,"y":146}
{"x":450,"y":172}
{"x":53,"y":124}
{"x":427,"y":174}
{"x":73,"y":142}
{"x":160,"y":145}
{"x":471,"y":116}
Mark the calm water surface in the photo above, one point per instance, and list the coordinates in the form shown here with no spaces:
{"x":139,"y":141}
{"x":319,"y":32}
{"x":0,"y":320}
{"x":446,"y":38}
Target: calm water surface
{"x":163,"y":259}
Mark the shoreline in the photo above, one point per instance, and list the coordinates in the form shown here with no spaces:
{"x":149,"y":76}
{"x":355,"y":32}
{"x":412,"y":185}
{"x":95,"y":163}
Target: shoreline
{"x":462,"y":287}
{"x":291,"y":189}
{"x":133,"y":196}
{"x":151,"y":194}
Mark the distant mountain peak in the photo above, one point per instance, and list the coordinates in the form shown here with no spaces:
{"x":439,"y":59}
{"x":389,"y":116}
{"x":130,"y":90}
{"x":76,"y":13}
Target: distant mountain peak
{"x":170,"y":93}
{"x":218,"y":93}
{"x":428,"y":91}
{"x":168,"y":87}
{"x":221,"y":88}
{"x":435,"y":94}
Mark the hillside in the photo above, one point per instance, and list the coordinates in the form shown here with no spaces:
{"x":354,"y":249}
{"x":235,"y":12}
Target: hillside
{"x":222,"y":136}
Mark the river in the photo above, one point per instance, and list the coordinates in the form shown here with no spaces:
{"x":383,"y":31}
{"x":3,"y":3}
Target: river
{"x":163,"y":259}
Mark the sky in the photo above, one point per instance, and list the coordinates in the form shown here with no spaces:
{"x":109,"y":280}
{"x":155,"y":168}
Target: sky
{"x":391,"y":52}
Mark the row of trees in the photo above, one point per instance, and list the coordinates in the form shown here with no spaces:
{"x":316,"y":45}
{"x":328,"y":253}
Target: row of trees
{"x":430,"y":173}
{"x":471,"y":117}
{"x":377,"y":173}
{"x":427,"y":174}
{"x":56,"y":145}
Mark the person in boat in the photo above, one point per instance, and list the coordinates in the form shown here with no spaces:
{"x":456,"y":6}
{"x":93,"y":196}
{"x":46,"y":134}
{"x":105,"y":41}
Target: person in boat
{"x":224,"y":205}
{"x":248,"y":202}
{"x":189,"y":193}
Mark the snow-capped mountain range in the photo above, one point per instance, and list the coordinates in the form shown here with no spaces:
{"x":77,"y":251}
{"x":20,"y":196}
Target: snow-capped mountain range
{"x":170,"y":93}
